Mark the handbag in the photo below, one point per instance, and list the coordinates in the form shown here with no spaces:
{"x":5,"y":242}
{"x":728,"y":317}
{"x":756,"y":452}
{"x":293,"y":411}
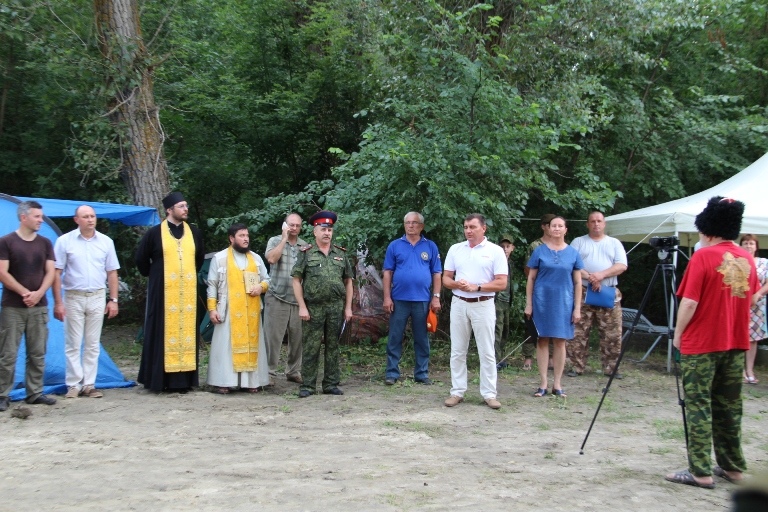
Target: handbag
{"x":605,"y":298}
{"x":530,"y":328}
{"x":431,"y":321}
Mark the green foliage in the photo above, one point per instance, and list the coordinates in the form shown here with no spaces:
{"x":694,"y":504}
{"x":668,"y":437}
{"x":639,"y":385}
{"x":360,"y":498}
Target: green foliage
{"x":257,"y":92}
{"x":377,"y":107}
{"x":450,"y":137}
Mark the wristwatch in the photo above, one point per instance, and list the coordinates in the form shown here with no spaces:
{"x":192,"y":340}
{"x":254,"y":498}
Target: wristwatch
{"x":113,"y":299}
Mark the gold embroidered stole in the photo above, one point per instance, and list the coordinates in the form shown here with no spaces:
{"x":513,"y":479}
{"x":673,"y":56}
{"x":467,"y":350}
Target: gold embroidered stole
{"x":244,"y":315}
{"x":180,"y":284}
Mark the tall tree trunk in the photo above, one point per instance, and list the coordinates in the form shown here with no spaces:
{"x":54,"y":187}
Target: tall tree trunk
{"x":132,"y":109}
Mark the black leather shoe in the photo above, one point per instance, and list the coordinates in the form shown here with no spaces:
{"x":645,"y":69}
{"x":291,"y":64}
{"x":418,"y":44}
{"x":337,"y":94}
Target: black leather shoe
{"x":333,"y":391}
{"x":389,"y":381}
{"x":304,"y":393}
{"x":5,"y":403}
{"x":573,"y":373}
{"x":426,"y":382}
{"x":42,"y":400}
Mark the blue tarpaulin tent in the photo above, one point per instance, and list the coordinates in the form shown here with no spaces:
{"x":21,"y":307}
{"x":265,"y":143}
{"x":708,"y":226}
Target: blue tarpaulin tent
{"x":109,"y":375}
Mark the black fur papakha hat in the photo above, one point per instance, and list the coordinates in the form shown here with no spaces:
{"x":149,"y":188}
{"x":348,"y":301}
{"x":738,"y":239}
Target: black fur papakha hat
{"x":721,"y":218}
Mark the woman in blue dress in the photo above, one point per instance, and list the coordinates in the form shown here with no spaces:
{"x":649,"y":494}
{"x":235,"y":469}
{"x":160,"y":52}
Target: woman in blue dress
{"x":553,"y":300}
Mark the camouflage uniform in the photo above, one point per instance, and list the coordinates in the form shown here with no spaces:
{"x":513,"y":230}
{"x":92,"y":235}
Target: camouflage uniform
{"x":324,"y":294}
{"x":713,"y":405}
{"x":503,"y":304}
{"x":608,"y":322}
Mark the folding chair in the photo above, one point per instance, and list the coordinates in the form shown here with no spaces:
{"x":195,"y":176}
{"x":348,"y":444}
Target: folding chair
{"x":645,"y":326}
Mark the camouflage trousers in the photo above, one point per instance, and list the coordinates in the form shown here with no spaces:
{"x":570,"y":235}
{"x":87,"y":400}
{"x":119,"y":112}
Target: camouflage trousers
{"x":713,"y":404}
{"x":502,"y":329}
{"x":324,"y":324}
{"x":608,"y":321}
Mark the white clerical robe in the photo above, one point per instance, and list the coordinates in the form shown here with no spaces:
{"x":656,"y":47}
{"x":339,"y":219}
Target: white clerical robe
{"x":220,"y":368}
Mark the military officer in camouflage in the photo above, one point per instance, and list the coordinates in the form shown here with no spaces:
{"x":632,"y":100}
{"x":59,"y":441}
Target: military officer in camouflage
{"x":322,"y":284}
{"x":503,"y":307}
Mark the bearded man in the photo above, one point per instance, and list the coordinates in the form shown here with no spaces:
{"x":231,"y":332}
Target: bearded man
{"x":237,"y":279}
{"x":170,"y":254}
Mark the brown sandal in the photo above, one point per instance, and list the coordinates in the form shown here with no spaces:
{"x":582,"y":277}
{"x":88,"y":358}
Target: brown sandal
{"x":221,"y":391}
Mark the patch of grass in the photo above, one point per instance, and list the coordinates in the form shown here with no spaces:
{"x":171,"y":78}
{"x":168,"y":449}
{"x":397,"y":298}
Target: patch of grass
{"x":669,"y":429}
{"x":624,"y":418}
{"x":125,"y":349}
{"x":474,"y":400}
{"x":549,"y":455}
{"x":362,"y":359}
{"x":422,"y":497}
{"x":594,"y":400}
{"x":660,"y":450}
{"x":430,"y":429}
{"x":394,"y":500}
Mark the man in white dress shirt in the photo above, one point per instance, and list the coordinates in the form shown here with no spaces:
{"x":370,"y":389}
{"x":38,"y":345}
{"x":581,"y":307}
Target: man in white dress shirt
{"x":86,"y":264}
{"x":475,"y":270}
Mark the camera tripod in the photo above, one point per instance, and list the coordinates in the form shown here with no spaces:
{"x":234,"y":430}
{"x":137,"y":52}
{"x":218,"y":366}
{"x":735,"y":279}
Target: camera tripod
{"x":666,"y":271}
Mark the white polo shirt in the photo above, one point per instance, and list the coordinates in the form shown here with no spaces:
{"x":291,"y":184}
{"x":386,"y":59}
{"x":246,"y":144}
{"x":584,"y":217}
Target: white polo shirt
{"x":85,"y":261}
{"x":479,"y":264}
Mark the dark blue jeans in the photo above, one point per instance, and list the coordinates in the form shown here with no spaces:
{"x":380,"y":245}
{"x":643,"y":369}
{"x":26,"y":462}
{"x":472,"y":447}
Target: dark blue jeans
{"x":417,"y":312}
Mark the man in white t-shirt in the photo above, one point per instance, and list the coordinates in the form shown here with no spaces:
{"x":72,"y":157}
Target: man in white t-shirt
{"x":604,"y":259}
{"x":474,"y":270}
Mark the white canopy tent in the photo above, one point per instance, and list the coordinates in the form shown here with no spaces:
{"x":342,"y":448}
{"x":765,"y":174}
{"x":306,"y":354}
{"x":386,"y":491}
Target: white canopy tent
{"x":750,"y":186}
{"x":676,"y":217}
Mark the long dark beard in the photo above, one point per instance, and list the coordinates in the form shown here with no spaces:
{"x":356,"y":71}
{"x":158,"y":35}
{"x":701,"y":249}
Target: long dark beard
{"x":241,"y":250}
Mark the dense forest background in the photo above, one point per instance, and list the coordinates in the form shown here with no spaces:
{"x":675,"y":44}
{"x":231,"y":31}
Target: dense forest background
{"x":372,"y":108}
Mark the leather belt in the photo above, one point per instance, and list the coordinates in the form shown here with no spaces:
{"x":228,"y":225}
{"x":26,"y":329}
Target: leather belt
{"x":474,"y":299}
{"x":83,"y":292}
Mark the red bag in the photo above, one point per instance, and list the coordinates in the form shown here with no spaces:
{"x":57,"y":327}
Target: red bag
{"x":431,"y":321}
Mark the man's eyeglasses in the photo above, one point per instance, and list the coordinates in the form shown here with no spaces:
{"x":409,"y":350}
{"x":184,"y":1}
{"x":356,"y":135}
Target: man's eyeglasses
{"x":412,"y":222}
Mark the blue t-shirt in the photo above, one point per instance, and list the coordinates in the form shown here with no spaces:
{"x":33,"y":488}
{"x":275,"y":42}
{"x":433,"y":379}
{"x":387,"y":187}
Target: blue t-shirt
{"x":412,"y":268}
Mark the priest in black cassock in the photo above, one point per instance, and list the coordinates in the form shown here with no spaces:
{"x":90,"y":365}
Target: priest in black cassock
{"x":170,"y":254}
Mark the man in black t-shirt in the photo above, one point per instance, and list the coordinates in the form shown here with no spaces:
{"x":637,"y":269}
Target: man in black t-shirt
{"x":26,"y":271}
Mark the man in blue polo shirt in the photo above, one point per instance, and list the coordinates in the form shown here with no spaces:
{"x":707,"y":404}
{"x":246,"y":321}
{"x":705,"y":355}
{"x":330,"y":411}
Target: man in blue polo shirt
{"x":412,"y":284}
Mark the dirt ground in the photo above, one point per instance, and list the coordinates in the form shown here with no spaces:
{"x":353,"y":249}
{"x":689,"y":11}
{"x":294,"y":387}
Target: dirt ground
{"x":376,"y":448}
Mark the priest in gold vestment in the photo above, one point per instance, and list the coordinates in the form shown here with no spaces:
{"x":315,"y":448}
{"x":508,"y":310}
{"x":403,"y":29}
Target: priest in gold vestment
{"x":237,"y":281}
{"x":170,"y":254}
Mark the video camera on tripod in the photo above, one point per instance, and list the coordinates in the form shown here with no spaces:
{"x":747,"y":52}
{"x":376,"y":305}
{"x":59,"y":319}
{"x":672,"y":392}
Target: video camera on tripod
{"x":664,"y":245}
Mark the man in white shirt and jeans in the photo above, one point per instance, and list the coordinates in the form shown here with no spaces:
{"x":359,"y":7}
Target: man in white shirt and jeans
{"x":86,"y":263}
{"x":475,"y":270}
